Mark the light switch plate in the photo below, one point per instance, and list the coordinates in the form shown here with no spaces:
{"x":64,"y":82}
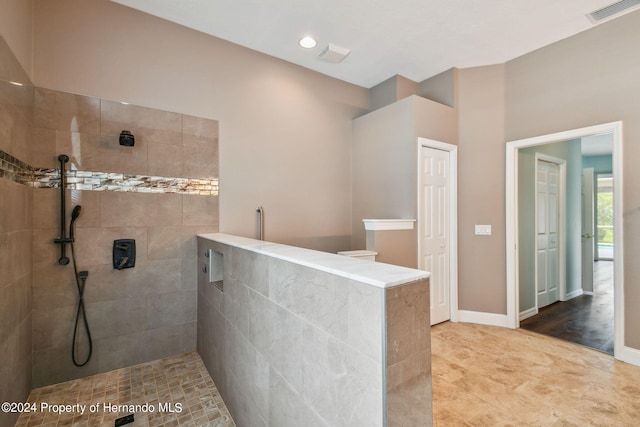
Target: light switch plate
{"x":483,"y":230}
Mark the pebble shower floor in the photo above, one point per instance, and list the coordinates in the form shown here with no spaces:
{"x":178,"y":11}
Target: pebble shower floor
{"x":177,"y":391}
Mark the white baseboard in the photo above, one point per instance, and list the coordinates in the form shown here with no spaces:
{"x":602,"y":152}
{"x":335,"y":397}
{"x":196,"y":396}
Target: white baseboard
{"x":630,"y":355}
{"x":481,"y":318}
{"x":528,"y":313}
{"x":587,"y":292}
{"x":575,"y":293}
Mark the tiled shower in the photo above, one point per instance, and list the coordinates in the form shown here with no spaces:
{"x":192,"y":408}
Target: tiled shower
{"x":160,"y":192}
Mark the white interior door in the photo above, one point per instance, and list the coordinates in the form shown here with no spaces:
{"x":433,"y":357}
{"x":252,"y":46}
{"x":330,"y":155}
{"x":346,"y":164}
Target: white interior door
{"x":435,"y":238}
{"x":547,"y":232}
{"x":588,"y":225}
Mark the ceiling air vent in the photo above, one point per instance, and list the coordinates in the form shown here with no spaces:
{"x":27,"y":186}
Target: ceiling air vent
{"x":335,"y":54}
{"x":612,"y":10}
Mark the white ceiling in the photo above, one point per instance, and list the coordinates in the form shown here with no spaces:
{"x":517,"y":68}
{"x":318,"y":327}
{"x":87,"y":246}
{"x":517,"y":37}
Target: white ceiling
{"x":414,"y":38}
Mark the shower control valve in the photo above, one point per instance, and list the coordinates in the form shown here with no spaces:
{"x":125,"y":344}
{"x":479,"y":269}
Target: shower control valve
{"x":124,"y":253}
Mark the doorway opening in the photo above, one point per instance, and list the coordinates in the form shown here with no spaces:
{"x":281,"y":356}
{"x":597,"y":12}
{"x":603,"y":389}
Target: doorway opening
{"x":517,"y":308}
{"x":604,"y":249}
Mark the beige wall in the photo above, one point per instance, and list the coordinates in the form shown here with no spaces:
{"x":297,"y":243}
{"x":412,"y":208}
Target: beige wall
{"x":481,"y":189}
{"x":16,"y":26}
{"x":391,"y":90}
{"x":588,"y":79}
{"x":385,"y":147}
{"x":442,"y":88}
{"x":285,"y":131}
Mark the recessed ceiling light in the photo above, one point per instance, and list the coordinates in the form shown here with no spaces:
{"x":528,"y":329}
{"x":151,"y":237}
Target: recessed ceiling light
{"x":308,"y":42}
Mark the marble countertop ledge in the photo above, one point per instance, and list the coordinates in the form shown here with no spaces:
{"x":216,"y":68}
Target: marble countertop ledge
{"x":373,"y":273}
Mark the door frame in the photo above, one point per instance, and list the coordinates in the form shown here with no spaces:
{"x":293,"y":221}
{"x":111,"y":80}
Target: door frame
{"x":512,"y":148}
{"x":562,"y":221}
{"x":594,"y":231}
{"x":453,"y":216}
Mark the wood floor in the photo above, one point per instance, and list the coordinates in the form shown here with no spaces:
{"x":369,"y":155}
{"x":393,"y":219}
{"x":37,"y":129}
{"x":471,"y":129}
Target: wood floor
{"x":585,"y":320}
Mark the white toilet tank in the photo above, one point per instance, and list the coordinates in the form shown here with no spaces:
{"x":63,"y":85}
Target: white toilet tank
{"x":361,"y":254}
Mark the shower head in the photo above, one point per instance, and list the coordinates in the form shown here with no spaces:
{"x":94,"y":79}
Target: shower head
{"x":76,"y":212}
{"x":74,"y":216}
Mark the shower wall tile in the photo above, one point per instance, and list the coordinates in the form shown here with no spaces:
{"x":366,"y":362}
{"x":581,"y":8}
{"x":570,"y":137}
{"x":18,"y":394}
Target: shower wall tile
{"x":198,"y":131}
{"x":44,"y":151}
{"x":94,"y":246}
{"x":16,"y":208}
{"x":126,"y":316}
{"x":15,"y":305}
{"x":55,"y":287}
{"x":138,"y":314}
{"x":5,"y":279}
{"x":15,"y":369}
{"x":198,"y":159}
{"x":171,"y":308}
{"x":47,"y":206}
{"x":53,"y":365}
{"x":15,"y":118}
{"x":102,"y":153}
{"x":146,"y":124}
{"x":16,"y":231}
{"x":140,"y":210}
{"x":166,"y":242}
{"x":51,"y":327}
{"x":200,"y":211}
{"x":167,"y":160}
{"x":188,"y":335}
{"x":66,"y":112}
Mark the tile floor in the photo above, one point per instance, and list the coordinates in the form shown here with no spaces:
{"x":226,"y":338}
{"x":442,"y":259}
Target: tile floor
{"x":482,"y":376}
{"x":178,"y":391}
{"x":490,"y":376}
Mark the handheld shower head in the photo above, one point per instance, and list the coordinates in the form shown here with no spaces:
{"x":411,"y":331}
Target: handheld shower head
{"x":76,"y":212}
{"x":74,"y":216}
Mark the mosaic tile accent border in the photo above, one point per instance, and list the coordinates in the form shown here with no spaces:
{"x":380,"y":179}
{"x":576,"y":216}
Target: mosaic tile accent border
{"x":15,"y":169}
{"x":22,"y":173}
{"x":106,"y":181}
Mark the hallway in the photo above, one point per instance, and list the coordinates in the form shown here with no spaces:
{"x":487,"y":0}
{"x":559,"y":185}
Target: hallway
{"x":586,"y":320}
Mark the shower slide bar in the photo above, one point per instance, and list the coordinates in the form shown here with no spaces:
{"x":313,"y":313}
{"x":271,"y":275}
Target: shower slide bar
{"x":63,"y":239}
